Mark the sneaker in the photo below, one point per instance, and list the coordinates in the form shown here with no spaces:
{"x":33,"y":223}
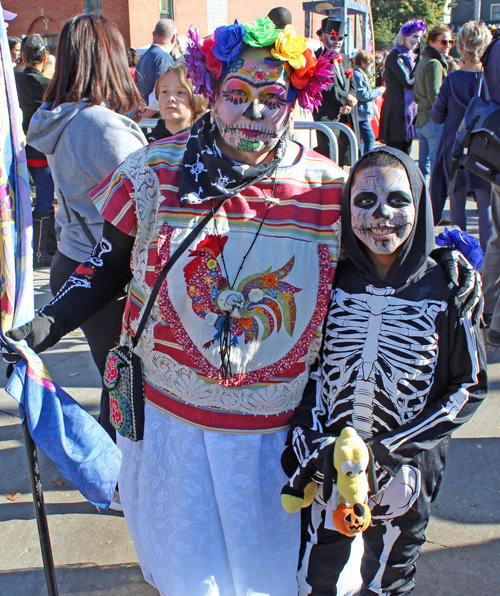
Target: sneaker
{"x":116,"y":504}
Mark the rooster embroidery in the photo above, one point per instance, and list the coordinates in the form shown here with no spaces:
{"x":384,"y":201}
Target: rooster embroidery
{"x":265,"y":303}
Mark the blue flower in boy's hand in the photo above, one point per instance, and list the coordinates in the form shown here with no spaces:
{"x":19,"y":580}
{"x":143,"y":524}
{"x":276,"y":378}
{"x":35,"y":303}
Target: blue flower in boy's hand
{"x":466,"y":244}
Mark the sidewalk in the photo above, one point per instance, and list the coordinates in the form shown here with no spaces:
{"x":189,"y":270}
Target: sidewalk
{"x":94,"y":554}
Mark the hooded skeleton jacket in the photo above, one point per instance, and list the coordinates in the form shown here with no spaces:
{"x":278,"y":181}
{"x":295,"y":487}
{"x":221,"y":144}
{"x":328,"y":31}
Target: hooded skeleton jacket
{"x":397,"y":362}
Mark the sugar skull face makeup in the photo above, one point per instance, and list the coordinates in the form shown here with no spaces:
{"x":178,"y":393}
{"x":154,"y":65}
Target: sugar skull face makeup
{"x":250,"y":109}
{"x":382,"y":209}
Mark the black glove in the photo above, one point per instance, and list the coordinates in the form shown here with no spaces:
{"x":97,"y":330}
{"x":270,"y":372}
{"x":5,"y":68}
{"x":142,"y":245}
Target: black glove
{"x":9,"y":355}
{"x":40,"y":333}
{"x":469,"y":297}
{"x":307,"y":460}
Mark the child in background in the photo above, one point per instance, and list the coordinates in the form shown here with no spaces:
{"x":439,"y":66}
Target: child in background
{"x":179,"y":105}
{"x":400,"y":364}
{"x":365,"y":94}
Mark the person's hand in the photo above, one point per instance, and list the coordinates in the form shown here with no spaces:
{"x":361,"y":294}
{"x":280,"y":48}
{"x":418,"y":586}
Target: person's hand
{"x":344,"y":110}
{"x":382,"y":89}
{"x":38,"y":333}
{"x":351,"y":101}
{"x":9,"y":355}
{"x":307,"y":461}
{"x":469,"y":297}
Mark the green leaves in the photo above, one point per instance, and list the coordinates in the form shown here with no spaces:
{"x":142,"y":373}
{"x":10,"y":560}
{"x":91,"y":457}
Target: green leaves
{"x":389,"y":15}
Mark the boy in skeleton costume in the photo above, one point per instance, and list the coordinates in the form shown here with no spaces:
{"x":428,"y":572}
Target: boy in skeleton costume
{"x":400,"y":364}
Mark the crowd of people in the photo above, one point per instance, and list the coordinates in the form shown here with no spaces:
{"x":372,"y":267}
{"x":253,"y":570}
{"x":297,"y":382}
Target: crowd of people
{"x":265,"y":340}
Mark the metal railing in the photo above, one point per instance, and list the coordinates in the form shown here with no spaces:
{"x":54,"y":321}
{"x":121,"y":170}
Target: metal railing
{"x":353,"y":141}
{"x":333,"y":145}
{"x":148,"y":123}
{"x":325,"y":127}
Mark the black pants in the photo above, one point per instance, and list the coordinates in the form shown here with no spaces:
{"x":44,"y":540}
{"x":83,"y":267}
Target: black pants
{"x":102,"y":331}
{"x":404,"y":146}
{"x":392,"y":543}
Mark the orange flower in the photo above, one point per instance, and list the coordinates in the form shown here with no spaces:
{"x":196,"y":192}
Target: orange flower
{"x":300,"y":76}
{"x":269,"y":281}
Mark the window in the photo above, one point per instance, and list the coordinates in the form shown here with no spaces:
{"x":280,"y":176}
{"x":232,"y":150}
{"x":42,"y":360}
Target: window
{"x":50,"y":42}
{"x":495,"y":12}
{"x":94,"y":6}
{"x":166,"y":9}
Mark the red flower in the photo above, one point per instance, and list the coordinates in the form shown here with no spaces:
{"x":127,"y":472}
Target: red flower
{"x":301,"y":76}
{"x":114,"y":410}
{"x":213,"y":64}
{"x":84,"y":270}
{"x":111,"y":372}
{"x":349,"y":73}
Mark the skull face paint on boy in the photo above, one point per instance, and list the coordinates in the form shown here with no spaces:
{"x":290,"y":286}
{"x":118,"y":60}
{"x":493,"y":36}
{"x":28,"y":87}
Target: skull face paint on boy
{"x":382,"y":209}
{"x":250,"y":108}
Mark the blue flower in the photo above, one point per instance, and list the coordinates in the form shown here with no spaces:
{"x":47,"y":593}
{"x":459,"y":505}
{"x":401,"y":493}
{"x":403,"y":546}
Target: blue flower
{"x":466,"y":244}
{"x":229,"y":43}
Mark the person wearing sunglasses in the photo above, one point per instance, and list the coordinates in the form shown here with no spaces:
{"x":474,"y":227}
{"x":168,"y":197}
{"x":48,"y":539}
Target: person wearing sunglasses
{"x":434,"y":65}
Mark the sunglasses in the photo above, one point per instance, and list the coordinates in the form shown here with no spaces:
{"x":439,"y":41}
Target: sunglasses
{"x":447,"y":42}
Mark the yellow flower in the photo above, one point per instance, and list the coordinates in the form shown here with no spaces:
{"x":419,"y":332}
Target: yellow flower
{"x":212,"y":264}
{"x":290,"y":48}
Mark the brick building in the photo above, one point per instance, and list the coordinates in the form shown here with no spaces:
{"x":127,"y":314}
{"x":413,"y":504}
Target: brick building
{"x":136,"y":18}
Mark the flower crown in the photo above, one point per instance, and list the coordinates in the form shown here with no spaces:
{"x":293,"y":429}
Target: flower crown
{"x":412,"y":27}
{"x":221,"y":53}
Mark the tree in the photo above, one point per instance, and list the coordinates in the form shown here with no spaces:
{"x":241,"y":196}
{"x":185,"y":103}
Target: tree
{"x":389,"y":15}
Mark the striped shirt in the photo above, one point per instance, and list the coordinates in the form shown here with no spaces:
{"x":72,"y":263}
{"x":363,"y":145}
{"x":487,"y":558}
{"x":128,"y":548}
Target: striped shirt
{"x":284,"y":285}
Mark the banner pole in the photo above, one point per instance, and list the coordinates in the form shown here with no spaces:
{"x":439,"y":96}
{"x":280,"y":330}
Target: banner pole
{"x":41,"y":516}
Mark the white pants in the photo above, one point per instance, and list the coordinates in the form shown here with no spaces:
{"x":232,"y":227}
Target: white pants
{"x":204,"y":510}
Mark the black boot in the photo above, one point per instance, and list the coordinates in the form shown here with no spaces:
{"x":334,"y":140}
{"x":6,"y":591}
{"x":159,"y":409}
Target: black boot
{"x":41,"y":225}
{"x":51,"y":237}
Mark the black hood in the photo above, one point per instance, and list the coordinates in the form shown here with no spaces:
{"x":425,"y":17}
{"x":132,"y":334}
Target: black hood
{"x":419,"y":244}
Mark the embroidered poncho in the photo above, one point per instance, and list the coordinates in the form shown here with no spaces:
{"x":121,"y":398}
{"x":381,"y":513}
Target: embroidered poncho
{"x":286,"y":281}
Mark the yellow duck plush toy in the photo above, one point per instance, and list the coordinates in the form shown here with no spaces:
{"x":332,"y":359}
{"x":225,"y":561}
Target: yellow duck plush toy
{"x":351,"y":458}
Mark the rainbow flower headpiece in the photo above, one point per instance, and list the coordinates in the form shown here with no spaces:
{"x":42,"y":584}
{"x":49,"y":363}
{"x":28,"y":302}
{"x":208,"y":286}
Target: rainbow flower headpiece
{"x":221,"y":53}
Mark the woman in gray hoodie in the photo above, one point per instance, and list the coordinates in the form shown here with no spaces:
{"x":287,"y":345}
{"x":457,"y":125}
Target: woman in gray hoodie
{"x":84,"y":135}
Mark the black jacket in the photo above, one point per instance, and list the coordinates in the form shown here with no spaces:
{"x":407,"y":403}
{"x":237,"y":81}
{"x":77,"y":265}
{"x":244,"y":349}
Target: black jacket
{"x":336,"y":95}
{"x":31,"y":87}
{"x":398,"y":363}
{"x":398,"y":77}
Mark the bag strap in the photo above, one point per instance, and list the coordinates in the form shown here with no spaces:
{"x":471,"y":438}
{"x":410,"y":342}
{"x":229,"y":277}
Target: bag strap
{"x":173,"y":259}
{"x":79,"y":218}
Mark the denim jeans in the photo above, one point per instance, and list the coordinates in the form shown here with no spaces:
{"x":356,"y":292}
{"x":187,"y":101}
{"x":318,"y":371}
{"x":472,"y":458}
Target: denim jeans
{"x":367,"y":137}
{"x":458,"y":214}
{"x":44,"y":185}
{"x":428,"y":135}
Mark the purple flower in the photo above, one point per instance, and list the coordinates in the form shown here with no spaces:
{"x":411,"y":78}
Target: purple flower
{"x":195,"y":63}
{"x":229,"y":42}
{"x":412,"y":27}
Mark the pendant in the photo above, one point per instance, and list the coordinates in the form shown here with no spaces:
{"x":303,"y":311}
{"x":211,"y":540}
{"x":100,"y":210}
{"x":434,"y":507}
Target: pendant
{"x":232,"y":302}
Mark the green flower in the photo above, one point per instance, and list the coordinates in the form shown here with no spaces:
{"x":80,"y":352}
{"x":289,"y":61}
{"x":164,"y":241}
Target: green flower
{"x":261,"y":33}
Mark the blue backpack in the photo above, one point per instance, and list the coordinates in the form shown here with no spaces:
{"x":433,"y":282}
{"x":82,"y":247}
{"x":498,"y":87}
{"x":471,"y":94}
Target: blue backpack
{"x":477,"y":144}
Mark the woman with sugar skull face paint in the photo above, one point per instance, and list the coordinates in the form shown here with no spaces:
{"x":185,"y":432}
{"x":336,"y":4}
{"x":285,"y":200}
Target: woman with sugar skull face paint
{"x":399,"y":110}
{"x":227,"y":348}
{"x":400,"y":365}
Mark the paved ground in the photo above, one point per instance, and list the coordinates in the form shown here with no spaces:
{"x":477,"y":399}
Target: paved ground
{"x":93,"y":551}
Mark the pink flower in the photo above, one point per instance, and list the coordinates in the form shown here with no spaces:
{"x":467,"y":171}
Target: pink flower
{"x":213,"y":64}
{"x":311,"y":96}
{"x":349,"y":73}
{"x":111,"y":372}
{"x":114,"y":409}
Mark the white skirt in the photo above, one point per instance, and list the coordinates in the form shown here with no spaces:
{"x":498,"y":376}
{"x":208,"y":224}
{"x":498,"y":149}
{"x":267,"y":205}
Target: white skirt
{"x":204,"y":510}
